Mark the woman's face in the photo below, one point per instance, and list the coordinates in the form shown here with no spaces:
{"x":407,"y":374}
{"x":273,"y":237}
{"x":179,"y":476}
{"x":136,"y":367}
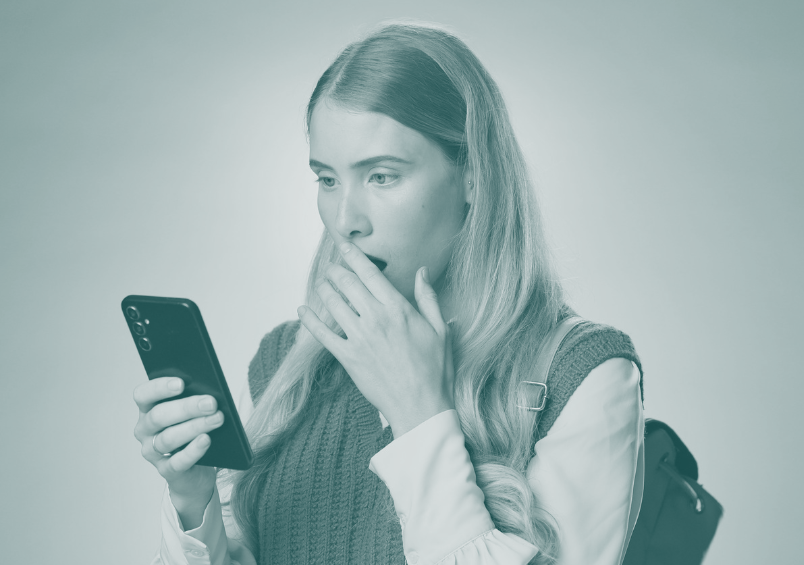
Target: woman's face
{"x":387,"y":189}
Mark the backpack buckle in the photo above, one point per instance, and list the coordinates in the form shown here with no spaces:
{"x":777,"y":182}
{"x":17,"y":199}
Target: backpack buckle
{"x":543,"y":398}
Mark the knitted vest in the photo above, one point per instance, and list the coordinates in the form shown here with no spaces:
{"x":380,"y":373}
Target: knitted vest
{"x":585,"y":347}
{"x":320,"y":504}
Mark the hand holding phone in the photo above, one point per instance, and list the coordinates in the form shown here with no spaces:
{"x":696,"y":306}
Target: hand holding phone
{"x":188,"y":421}
{"x":163,"y":426}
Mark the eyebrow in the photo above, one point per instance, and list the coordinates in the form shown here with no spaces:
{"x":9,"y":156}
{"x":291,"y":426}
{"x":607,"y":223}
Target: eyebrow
{"x":365,"y":162}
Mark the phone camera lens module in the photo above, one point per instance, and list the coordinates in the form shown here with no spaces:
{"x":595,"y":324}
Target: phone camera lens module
{"x":133,"y":313}
{"x":145,"y":344}
{"x":139,"y":329}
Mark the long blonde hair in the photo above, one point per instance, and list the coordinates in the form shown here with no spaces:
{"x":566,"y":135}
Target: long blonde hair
{"x":500,"y":272}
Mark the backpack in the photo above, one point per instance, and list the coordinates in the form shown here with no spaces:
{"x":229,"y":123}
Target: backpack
{"x":678,"y":518}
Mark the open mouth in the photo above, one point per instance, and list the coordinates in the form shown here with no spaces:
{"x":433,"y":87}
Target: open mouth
{"x":379,"y":262}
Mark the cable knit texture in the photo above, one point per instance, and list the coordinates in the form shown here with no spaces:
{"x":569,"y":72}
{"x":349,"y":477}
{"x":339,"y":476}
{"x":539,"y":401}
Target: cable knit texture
{"x":585,"y":347}
{"x":320,"y":503}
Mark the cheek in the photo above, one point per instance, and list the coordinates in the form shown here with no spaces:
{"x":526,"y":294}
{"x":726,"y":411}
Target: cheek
{"x":425,"y":235}
{"x":326,"y":211}
{"x":441,"y":221}
{"x":439,"y":218}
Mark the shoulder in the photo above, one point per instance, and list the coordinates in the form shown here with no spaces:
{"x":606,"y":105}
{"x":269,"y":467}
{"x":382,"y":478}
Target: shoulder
{"x":278,"y":341}
{"x":588,"y":346}
{"x":273,"y":348}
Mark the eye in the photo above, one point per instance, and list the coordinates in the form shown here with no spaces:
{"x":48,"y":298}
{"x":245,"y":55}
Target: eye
{"x":382,"y":179}
{"x":325,"y":182}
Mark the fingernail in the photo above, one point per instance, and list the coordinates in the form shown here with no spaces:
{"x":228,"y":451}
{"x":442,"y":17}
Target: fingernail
{"x":426,"y":275}
{"x":206,"y":405}
{"x":175,"y":384}
{"x":203,"y":440}
{"x":300,"y":311}
{"x":346,"y":247}
{"x":215,"y":418}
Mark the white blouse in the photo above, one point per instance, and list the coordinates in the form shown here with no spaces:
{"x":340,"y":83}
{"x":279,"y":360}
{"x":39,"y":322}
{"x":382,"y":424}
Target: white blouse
{"x":587,"y":471}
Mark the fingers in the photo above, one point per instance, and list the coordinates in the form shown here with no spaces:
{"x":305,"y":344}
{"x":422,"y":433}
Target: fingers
{"x":150,"y":393}
{"x":369,"y":274}
{"x":325,"y":336}
{"x":350,"y":285}
{"x":337,"y":306}
{"x":174,"y":412}
{"x":427,"y":301}
{"x":172,"y":438}
{"x":188,"y":456}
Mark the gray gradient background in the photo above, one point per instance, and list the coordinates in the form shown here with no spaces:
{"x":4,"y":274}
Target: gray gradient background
{"x":156,"y":147}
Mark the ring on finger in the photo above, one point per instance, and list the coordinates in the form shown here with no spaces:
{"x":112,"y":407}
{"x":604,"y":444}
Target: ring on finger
{"x":153,"y":443}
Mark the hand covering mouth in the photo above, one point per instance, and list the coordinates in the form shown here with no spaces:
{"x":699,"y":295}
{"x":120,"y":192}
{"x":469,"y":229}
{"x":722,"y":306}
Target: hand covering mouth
{"x":379,"y":262}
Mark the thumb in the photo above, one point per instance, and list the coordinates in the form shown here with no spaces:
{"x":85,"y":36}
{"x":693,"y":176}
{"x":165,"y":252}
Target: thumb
{"x":427,"y":301}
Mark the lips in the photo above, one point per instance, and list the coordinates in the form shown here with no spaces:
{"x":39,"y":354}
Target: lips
{"x":379,"y":262}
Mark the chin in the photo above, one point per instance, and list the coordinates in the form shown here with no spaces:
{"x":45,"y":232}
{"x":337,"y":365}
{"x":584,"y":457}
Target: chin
{"x":404,"y":285}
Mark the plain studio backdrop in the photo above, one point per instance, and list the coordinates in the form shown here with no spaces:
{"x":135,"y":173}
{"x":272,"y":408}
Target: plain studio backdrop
{"x":157,"y":147}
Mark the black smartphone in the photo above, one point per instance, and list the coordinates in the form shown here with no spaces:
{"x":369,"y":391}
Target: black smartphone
{"x":172,"y":341}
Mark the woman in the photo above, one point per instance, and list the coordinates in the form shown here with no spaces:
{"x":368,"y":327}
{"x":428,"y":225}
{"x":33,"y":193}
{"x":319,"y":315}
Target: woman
{"x":373,"y":404}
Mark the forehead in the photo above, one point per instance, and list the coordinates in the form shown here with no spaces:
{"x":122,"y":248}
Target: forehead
{"x":339,"y":135}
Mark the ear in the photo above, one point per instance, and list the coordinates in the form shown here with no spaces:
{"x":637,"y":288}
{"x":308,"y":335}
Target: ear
{"x":468,"y":184}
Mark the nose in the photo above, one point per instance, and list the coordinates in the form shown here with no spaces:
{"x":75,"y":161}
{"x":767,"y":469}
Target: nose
{"x":352,"y":219}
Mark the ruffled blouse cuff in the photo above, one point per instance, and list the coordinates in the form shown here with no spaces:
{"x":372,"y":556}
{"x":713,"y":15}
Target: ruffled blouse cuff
{"x":203,"y":545}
